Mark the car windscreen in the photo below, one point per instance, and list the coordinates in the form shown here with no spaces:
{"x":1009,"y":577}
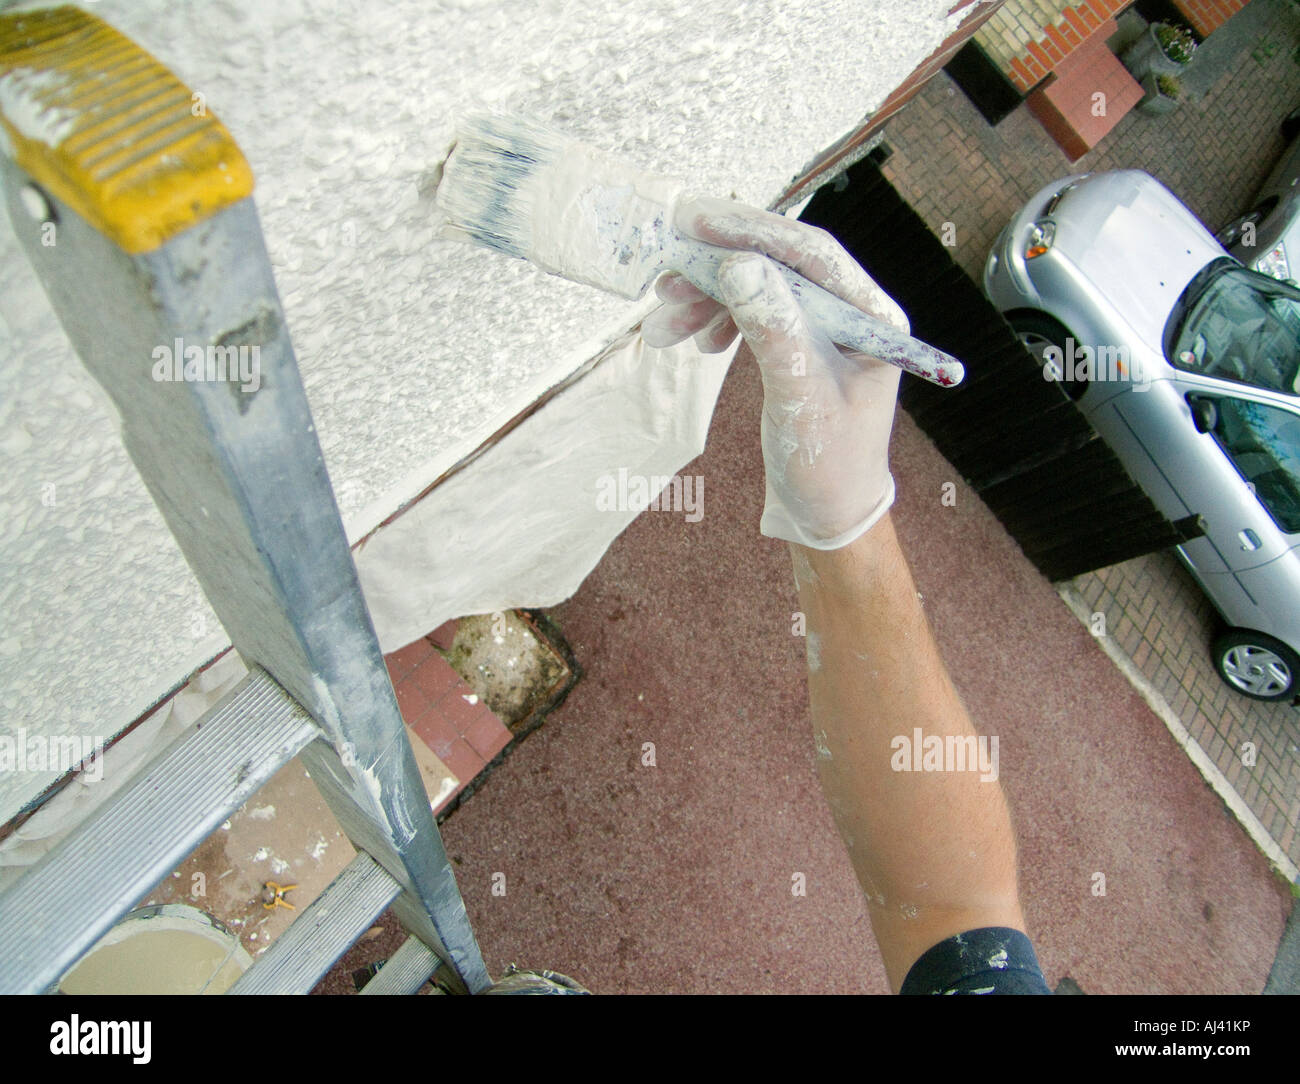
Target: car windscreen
{"x":1238,"y":325}
{"x":1264,"y":444}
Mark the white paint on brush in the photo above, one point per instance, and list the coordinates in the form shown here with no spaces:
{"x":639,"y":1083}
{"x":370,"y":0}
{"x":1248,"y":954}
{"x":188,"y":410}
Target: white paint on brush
{"x":588,"y":208}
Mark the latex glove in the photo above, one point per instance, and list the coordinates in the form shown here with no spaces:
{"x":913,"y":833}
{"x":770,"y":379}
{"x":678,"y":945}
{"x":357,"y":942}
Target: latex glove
{"x":827,"y":412}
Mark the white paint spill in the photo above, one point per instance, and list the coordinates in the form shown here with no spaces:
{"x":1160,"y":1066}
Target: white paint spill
{"x":814,"y":652}
{"x":469,"y":698}
{"x":318,"y":851}
{"x":823,"y":750}
{"x":261,"y":854}
{"x":446,"y":788}
{"x":403,"y":830}
{"x":998,"y":959}
{"x":25,"y":99}
{"x":262,"y":813}
{"x":279,"y":865}
{"x":804,"y":576}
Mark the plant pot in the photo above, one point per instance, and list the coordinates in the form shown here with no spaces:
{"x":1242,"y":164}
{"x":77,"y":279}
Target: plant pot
{"x":1145,"y":57}
{"x":1155,"y":103}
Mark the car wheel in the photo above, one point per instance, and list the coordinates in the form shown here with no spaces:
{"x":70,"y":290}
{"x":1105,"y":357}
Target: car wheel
{"x":1256,"y":665}
{"x":1231,"y":233}
{"x":1038,"y":332}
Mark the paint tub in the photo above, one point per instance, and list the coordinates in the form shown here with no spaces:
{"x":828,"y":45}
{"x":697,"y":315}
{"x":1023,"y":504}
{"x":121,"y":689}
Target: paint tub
{"x":168,"y":949}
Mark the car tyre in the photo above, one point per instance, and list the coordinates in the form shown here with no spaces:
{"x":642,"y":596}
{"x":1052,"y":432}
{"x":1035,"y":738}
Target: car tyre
{"x":1256,"y":665}
{"x":1037,"y":331}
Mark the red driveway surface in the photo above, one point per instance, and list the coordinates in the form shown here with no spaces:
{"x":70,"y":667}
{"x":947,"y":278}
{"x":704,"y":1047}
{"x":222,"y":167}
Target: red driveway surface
{"x":678,"y":877}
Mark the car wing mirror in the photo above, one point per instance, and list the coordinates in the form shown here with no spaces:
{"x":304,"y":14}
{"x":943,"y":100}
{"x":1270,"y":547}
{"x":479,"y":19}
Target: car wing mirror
{"x":1205,"y":415}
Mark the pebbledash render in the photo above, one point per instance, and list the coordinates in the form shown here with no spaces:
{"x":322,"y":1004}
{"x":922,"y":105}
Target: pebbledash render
{"x":414,"y":352}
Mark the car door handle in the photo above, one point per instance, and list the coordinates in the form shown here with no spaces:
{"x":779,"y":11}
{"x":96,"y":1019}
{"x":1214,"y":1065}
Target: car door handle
{"x":1249,"y":539}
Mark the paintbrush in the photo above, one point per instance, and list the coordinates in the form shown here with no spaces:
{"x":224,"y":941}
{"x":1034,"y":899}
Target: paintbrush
{"x":521,"y":189}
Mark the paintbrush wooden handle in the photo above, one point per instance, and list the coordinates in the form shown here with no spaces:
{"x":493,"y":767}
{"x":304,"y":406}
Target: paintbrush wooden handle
{"x":841,"y":322}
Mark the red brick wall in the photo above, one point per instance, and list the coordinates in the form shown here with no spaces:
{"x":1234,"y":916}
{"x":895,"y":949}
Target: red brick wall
{"x":1079,"y":25}
{"x":1206,"y":16}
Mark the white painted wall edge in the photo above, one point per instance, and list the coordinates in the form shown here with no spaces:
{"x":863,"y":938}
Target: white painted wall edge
{"x":411,"y":351}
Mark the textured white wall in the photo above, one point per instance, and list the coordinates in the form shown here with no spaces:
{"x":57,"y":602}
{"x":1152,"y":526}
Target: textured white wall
{"x":412,"y":350}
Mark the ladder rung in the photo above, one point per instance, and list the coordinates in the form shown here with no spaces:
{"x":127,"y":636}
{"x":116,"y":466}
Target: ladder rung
{"x":406,"y":971}
{"x":65,"y":903}
{"x":330,"y":925}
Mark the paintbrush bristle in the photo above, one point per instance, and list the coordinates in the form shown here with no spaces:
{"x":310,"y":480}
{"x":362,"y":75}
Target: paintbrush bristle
{"x":486,"y":185}
{"x":518,"y":188}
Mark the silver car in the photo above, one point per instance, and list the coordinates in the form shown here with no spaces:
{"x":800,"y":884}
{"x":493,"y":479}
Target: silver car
{"x":1267,"y":237}
{"x":1185,"y":362}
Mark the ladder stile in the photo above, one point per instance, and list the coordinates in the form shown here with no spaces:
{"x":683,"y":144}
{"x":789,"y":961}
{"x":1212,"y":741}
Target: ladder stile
{"x":161,"y":280}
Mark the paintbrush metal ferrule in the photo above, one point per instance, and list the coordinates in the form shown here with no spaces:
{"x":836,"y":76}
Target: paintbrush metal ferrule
{"x":523,"y":190}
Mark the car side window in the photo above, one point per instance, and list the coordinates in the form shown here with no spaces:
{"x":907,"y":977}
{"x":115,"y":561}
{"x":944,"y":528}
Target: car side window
{"x":1241,"y":331}
{"x":1263,"y":443}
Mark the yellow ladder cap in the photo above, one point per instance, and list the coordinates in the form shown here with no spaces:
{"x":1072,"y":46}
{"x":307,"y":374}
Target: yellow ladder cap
{"x":105,"y":128}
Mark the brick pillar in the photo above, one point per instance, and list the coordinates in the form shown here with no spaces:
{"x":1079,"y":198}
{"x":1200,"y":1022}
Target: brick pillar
{"x":1206,"y":16}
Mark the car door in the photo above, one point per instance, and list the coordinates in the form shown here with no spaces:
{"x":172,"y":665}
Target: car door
{"x":1247,"y":558}
{"x":1239,"y":533}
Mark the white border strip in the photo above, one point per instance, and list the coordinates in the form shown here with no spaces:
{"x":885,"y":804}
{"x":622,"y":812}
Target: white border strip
{"x":1199,"y":757}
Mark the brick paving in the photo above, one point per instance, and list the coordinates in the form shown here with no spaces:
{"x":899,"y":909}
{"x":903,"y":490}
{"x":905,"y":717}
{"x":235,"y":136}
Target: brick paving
{"x":1213,"y":152}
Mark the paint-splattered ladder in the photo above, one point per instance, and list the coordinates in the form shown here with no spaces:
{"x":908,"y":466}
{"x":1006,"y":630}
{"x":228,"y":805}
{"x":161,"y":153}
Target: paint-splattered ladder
{"x":157,"y":246}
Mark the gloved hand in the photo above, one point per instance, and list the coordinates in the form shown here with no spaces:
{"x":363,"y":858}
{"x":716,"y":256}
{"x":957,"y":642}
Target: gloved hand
{"x":827,"y":412}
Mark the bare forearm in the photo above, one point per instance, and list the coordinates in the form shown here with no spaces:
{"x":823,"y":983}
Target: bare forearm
{"x":933,"y":849}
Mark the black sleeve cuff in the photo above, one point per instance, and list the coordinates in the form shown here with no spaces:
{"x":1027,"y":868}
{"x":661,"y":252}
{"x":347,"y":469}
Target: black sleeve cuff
{"x":992,"y":960}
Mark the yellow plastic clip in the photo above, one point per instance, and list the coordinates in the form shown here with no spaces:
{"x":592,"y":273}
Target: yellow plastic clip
{"x":273,"y":896}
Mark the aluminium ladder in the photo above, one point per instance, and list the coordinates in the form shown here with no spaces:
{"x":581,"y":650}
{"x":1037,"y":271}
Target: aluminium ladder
{"x":157,"y":243}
